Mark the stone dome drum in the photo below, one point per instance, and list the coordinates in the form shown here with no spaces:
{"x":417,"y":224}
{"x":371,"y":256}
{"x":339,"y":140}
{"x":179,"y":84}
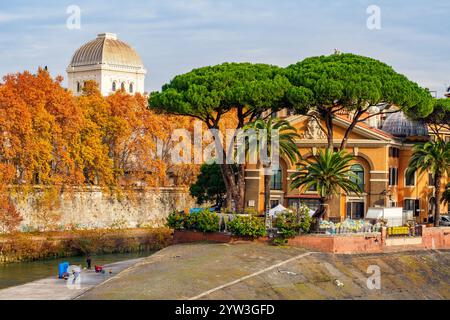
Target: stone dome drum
{"x":399,"y":125}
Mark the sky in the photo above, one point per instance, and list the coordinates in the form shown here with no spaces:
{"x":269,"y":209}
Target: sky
{"x":175,"y":36}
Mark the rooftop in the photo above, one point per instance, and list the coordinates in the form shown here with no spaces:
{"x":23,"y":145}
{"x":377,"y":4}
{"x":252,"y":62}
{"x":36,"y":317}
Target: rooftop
{"x":106,"y":49}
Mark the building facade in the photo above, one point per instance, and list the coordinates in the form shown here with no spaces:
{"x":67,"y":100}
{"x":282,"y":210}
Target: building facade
{"x":111,"y":63}
{"x":382,"y":149}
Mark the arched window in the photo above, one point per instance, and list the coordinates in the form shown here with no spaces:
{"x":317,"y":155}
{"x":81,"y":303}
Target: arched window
{"x":131,"y":88}
{"x":358,"y":170}
{"x":410,"y":180}
{"x":114,"y":86}
{"x":276,"y":180}
{"x":122,"y":86}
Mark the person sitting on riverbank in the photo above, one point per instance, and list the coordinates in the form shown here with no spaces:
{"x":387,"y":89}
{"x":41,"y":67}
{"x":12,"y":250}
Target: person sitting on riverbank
{"x":88,"y":261}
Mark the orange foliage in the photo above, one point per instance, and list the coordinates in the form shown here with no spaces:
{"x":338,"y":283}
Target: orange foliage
{"x":49,"y":137}
{"x":52,"y":139}
{"x":10,"y":218}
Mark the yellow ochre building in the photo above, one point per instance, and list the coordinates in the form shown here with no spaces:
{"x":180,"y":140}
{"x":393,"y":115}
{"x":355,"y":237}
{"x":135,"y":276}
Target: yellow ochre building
{"x":382,"y":147}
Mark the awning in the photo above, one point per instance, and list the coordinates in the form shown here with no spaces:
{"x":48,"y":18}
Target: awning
{"x":274,"y":211}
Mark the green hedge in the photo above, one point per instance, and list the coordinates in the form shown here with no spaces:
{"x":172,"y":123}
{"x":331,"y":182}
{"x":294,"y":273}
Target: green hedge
{"x":203,"y":221}
{"x":247,"y":226}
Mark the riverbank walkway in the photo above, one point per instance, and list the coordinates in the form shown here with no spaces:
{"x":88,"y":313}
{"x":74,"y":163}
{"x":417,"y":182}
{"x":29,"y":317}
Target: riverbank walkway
{"x":257,"y":271}
{"x":52,"y":288}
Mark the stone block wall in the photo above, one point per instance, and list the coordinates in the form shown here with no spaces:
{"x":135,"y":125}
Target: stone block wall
{"x":91,"y":209}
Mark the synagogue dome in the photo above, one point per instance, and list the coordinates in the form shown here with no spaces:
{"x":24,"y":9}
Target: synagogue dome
{"x":106,"y":49}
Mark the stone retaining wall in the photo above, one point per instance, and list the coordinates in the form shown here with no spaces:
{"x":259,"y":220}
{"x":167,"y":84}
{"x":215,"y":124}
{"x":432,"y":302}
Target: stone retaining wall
{"x":94,"y":209}
{"x":19,"y":247}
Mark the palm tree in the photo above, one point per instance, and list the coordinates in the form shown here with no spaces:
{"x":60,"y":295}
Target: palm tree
{"x":286,"y":142}
{"x":328,"y":172}
{"x":434,"y":157}
{"x":446,"y":195}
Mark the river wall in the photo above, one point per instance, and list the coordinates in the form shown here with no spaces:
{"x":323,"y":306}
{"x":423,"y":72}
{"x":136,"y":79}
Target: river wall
{"x":29,"y":246}
{"x":96,"y":209}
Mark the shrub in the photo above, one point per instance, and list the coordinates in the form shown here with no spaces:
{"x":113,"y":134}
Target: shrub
{"x":247,"y":226}
{"x":204,"y":221}
{"x":190,"y":221}
{"x":251,"y":211}
{"x":176,"y":220}
{"x":291,"y":223}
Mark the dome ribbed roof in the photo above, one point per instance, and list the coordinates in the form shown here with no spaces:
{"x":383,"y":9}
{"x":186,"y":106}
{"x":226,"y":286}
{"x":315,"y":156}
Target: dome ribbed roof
{"x":106,"y":49}
{"x":399,"y":125}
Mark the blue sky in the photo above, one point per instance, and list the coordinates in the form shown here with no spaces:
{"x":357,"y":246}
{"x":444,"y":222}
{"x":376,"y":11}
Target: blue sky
{"x":175,"y":36}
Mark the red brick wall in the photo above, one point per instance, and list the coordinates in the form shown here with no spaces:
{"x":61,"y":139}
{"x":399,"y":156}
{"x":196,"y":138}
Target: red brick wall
{"x":321,"y":243}
{"x":436,"y":238}
{"x":433,"y":238}
{"x":339,"y":244}
{"x":357,"y":244}
{"x":192,"y":236}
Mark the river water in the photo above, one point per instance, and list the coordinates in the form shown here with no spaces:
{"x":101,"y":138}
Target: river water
{"x":14,"y":274}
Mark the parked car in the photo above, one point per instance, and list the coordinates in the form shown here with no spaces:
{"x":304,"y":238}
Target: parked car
{"x":445,"y":221}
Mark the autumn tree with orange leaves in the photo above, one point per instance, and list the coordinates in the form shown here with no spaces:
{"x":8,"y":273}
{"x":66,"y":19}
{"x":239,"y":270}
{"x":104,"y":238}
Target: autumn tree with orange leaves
{"x":51,"y":139}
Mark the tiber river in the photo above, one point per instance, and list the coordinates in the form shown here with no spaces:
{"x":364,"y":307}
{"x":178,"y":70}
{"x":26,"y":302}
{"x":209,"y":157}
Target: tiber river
{"x":14,"y":274}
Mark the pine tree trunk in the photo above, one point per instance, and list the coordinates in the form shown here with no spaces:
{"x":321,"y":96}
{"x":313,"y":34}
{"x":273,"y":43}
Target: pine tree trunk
{"x":329,"y":123}
{"x":350,"y":129}
{"x":230,"y":185}
{"x":240,"y":198}
{"x":228,"y":199}
{"x":267,"y":194}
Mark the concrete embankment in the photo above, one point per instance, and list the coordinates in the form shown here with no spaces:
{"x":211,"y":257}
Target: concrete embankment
{"x":258,"y":271}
